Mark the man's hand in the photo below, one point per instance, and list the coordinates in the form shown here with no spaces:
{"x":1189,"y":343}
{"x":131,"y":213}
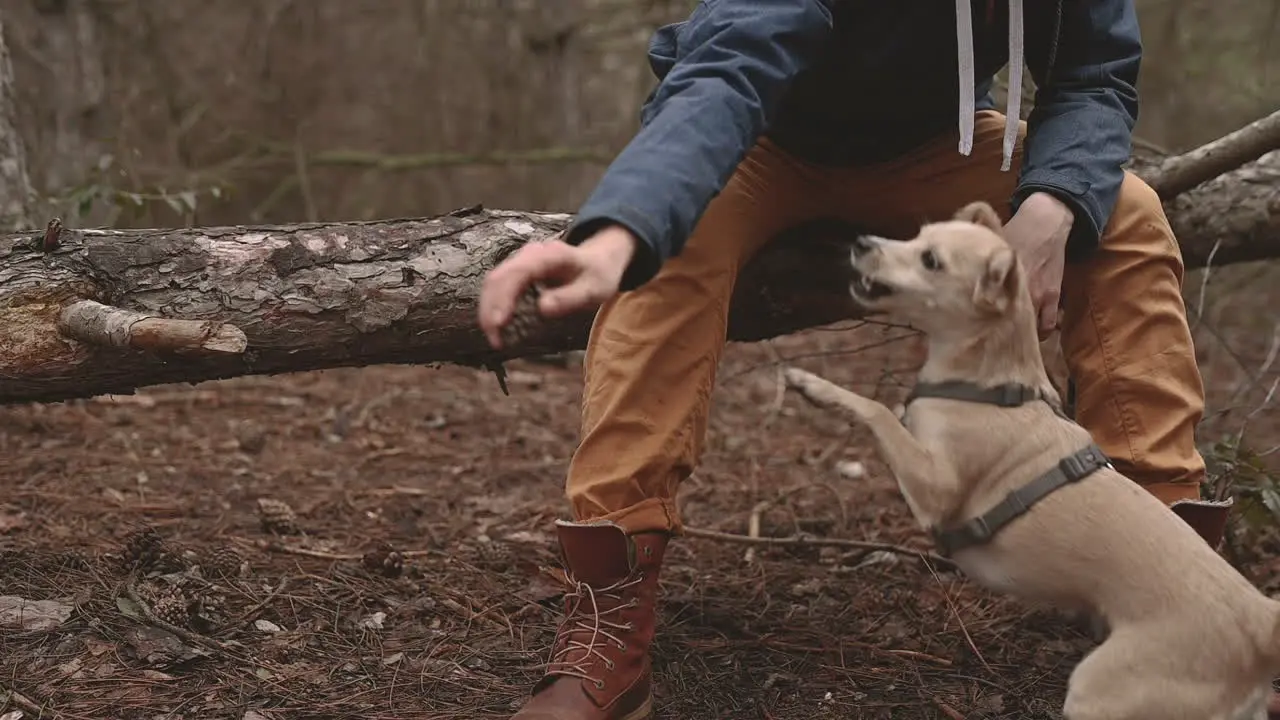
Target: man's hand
{"x":1038,"y":233}
{"x":576,"y":278}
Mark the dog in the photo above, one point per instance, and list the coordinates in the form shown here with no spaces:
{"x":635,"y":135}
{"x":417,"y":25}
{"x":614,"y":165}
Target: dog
{"x":1026,"y":505}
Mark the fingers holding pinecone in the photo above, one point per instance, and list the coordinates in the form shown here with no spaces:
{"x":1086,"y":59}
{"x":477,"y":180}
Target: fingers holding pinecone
{"x":526,"y":319}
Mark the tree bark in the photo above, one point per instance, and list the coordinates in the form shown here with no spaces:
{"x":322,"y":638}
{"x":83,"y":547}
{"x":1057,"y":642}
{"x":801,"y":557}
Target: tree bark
{"x":87,"y":312}
{"x":15,"y":183}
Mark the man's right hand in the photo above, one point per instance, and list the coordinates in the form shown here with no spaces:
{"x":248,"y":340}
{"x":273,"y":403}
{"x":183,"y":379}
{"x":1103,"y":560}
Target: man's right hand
{"x":575,"y":278}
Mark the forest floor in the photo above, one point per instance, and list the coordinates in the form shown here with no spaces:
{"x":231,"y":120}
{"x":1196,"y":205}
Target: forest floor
{"x":465,"y":484}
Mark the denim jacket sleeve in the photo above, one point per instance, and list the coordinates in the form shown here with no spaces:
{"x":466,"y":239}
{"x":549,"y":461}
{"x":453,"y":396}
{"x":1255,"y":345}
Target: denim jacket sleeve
{"x":1080,"y":133}
{"x":723,"y":71}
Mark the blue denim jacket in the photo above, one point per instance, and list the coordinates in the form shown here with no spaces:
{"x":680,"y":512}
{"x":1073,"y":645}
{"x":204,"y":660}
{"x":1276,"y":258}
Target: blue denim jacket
{"x":861,"y":81}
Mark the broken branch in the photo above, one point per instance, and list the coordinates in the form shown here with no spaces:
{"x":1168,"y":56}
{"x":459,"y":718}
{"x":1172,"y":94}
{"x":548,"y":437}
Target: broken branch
{"x":92,"y":322}
{"x":1181,"y":173}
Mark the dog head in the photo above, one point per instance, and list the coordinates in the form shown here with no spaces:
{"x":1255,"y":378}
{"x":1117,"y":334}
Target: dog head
{"x":950,"y":276}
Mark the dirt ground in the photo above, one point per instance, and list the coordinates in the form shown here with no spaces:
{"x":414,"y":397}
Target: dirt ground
{"x":463,"y":484}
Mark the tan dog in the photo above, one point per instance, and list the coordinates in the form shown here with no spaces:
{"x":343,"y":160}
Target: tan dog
{"x":1189,"y":636}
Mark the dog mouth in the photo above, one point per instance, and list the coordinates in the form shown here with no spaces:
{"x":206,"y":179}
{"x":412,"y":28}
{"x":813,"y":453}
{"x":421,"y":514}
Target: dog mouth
{"x":864,"y":287}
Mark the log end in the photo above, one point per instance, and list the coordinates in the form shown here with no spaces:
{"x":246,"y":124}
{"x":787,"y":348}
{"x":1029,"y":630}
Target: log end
{"x":225,"y":339}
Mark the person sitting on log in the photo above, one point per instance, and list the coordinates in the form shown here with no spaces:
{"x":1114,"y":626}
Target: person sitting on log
{"x":769,"y":113}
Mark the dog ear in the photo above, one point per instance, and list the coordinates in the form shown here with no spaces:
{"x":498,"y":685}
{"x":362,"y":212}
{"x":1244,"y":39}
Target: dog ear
{"x":997,"y":286}
{"x":980,"y":213}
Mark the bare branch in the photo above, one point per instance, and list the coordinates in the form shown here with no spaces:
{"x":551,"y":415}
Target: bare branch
{"x":1179,"y":174}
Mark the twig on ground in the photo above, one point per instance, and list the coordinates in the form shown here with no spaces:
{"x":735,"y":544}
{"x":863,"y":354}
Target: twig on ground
{"x":471,"y":615}
{"x":12,"y":697}
{"x":252,"y":613}
{"x":753,"y":529}
{"x":807,"y":541}
{"x":279,"y":547}
{"x":963,"y":628}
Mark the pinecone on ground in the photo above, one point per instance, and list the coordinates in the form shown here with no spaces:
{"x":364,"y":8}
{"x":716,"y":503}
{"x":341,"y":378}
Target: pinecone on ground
{"x":204,"y":612}
{"x":493,"y":555}
{"x":73,"y":560}
{"x":525,"y":320}
{"x":170,"y":606}
{"x":277,"y":517}
{"x":11,"y":560}
{"x":143,"y":548}
{"x":225,"y":563}
{"x":385,"y":559}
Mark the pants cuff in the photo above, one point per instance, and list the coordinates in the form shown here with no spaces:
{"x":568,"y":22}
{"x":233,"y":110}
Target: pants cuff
{"x":651,"y":515}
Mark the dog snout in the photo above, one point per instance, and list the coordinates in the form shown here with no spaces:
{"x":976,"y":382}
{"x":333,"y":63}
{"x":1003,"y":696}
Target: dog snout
{"x":863,"y":244}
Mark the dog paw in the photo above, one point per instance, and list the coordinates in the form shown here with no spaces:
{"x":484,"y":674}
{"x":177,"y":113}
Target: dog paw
{"x":802,"y":381}
{"x":810,"y":386}
{"x":796,"y":378}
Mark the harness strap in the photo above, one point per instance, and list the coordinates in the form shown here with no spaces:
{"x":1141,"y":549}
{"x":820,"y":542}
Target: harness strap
{"x":1071,"y":469}
{"x":1008,"y":395}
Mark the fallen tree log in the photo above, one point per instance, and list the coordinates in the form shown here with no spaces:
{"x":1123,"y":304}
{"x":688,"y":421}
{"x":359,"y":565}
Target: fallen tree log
{"x":88,"y":312}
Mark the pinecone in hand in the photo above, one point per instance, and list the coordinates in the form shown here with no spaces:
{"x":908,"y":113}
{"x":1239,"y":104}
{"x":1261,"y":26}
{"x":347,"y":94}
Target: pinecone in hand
{"x":385,"y":559}
{"x":170,"y":606}
{"x":226,"y":563}
{"x":525,"y":320}
{"x":277,"y":517}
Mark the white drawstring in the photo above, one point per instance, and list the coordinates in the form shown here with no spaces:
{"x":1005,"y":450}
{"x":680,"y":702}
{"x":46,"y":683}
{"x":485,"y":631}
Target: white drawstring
{"x":968,"y":105}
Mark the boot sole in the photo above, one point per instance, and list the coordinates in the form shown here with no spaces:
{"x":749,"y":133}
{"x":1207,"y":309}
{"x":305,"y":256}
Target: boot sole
{"x":644,"y":712}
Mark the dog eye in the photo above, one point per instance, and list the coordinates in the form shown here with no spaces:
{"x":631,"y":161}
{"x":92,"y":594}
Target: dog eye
{"x":930,"y":260}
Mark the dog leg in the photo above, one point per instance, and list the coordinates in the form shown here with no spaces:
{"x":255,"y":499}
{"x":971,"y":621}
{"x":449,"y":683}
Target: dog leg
{"x":1119,"y":681}
{"x":928,"y":486}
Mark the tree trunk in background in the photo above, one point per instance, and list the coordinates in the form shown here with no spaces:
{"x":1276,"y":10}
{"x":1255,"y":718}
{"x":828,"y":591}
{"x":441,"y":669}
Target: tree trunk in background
{"x":60,"y":90}
{"x":15,"y":185}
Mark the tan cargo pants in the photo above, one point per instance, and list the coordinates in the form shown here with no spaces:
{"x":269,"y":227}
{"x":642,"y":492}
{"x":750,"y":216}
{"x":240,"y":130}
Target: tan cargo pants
{"x":653,"y":353}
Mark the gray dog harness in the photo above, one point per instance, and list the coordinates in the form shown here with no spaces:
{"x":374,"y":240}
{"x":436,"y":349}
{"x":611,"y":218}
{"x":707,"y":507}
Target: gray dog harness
{"x":1070,"y":469}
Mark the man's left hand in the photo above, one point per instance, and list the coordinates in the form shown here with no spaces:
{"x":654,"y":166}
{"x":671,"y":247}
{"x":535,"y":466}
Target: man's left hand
{"x":1038,"y":233}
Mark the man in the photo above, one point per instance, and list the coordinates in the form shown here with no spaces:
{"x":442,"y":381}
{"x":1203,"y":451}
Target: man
{"x":772,"y":112}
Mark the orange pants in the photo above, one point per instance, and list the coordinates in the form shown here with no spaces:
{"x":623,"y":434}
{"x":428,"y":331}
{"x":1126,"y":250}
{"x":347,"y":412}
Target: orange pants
{"x":653,"y":353}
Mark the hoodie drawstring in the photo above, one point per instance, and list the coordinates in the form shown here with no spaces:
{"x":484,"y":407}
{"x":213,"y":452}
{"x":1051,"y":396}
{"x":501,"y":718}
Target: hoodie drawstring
{"x":968,"y":105}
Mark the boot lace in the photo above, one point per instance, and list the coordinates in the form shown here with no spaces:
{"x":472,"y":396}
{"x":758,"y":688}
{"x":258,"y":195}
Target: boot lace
{"x":588,"y":629}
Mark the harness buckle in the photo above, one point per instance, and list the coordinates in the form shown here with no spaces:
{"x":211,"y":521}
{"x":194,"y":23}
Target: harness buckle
{"x":1078,"y":465}
{"x":978,"y":529}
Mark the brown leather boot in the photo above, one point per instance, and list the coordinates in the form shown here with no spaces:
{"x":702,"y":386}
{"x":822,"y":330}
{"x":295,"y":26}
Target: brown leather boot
{"x":600,"y":667}
{"x":1207,"y":517}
